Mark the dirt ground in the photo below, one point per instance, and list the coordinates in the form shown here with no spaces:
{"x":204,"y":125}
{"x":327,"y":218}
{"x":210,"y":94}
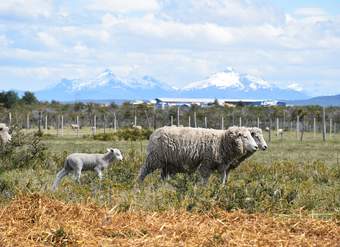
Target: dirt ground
{"x":36,"y":220}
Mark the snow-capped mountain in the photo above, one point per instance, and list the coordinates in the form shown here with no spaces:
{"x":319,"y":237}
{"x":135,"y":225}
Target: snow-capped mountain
{"x":231,"y":84}
{"x":225,"y":84}
{"x":106,"y":85}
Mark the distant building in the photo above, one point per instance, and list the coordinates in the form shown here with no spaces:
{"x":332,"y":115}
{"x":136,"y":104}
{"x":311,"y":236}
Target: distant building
{"x":169,"y":102}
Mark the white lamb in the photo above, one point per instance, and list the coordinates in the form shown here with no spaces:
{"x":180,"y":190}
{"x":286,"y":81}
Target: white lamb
{"x":4,"y":135}
{"x":78,"y":162}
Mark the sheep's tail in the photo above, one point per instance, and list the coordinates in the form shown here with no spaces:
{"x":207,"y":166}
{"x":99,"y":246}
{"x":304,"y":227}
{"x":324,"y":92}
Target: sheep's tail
{"x":62,"y":173}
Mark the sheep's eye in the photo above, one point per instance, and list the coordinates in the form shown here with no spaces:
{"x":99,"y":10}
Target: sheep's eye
{"x":0,"y":129}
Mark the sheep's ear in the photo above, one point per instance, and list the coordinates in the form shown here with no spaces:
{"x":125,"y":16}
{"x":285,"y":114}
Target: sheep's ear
{"x":109,"y":149}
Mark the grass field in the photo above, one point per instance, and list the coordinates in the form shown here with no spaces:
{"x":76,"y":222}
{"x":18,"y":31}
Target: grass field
{"x":285,"y":192}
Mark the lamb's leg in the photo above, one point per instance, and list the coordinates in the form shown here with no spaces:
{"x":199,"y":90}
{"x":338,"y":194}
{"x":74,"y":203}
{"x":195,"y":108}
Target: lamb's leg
{"x":78,"y":174}
{"x":62,"y":173}
{"x":99,"y":173}
{"x":100,"y":176}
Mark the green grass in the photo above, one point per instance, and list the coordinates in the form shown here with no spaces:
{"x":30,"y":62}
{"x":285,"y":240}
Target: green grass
{"x":291,"y":176}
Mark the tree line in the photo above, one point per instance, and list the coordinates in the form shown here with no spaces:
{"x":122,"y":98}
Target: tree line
{"x":28,"y":107}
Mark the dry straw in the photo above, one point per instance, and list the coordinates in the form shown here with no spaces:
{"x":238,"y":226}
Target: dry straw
{"x":36,"y":220}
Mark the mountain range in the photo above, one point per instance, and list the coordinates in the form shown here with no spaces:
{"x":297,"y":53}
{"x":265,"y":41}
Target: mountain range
{"x":224,"y":84}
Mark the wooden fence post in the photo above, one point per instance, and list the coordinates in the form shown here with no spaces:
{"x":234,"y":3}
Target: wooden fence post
{"x":58,"y":124}
{"x":27,"y":121}
{"x":178,"y":117}
{"x":270,"y":130}
{"x":94,"y":128}
{"x":314,"y":127}
{"x":240,"y":121}
{"x":195,"y":120}
{"x":39,"y":122}
{"x":114,"y":122}
{"x":258,"y":122}
{"x":46,"y":123}
{"x":330,"y":127}
{"x":189,"y":121}
{"x":205,"y":122}
{"x":297,"y":126}
{"x":62,"y":125}
{"x":284,"y":120}
{"x":104,"y":123}
{"x":323,"y":124}
{"x":9,"y":119}
{"x":277,"y":126}
{"x":77,"y":120}
{"x":171,"y":120}
{"x":222,"y":123}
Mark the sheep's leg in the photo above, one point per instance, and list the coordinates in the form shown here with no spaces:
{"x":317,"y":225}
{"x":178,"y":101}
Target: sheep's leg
{"x":62,"y":173}
{"x":99,"y":173}
{"x":167,"y":172}
{"x":149,"y":166}
{"x":224,"y":171}
{"x":78,"y":174}
{"x":205,"y":172}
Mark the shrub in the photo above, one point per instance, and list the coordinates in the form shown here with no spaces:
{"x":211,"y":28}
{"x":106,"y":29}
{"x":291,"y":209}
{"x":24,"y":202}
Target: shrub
{"x":24,"y":150}
{"x":127,"y":134}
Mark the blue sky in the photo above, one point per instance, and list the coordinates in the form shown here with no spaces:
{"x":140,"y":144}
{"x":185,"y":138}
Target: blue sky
{"x":175,"y":41}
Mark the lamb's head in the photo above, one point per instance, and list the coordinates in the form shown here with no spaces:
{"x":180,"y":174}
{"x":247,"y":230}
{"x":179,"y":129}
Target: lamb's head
{"x":257,"y":135}
{"x":116,"y":154}
{"x":242,"y":138}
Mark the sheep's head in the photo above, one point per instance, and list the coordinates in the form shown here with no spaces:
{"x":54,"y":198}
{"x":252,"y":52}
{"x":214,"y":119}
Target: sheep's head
{"x":116,"y":153}
{"x":242,"y":139}
{"x":257,"y":135}
{"x":248,"y":141}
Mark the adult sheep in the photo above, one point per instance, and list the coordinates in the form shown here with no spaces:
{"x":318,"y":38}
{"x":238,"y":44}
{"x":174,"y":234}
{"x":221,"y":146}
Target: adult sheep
{"x":187,"y":149}
{"x":4,"y":135}
{"x":78,"y":162}
{"x":256,"y":134}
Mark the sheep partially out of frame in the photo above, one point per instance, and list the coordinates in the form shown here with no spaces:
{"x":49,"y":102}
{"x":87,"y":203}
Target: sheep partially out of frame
{"x":78,"y":162}
{"x":4,"y":135}
{"x":183,"y":149}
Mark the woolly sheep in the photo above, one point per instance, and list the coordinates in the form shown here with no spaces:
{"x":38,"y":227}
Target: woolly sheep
{"x":185,"y":149}
{"x":257,"y":135}
{"x":137,"y":127}
{"x":78,"y":162}
{"x":75,"y":126}
{"x":4,"y":135}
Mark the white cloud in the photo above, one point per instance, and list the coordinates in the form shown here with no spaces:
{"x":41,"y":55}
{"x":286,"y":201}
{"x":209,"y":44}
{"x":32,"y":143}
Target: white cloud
{"x":295,"y":87}
{"x":126,"y":6}
{"x":47,"y":39}
{"x":32,"y":8}
{"x":4,"y":41}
